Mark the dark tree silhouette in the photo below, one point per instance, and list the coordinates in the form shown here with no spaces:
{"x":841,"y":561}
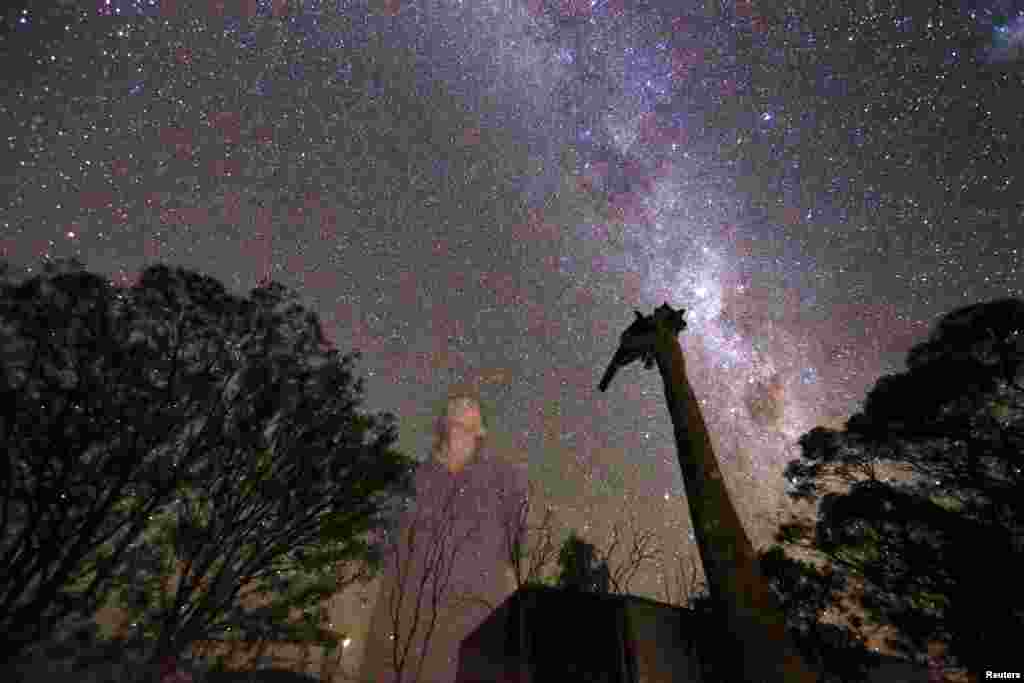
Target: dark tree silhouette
{"x":78,"y":416}
{"x":807,"y":593}
{"x":580,"y":569}
{"x":920,"y":496}
{"x":175,"y":449}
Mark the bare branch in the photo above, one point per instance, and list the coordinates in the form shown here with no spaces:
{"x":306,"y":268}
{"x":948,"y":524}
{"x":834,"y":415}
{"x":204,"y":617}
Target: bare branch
{"x":425,"y":555}
{"x":642,"y":548}
{"x":530,"y":549}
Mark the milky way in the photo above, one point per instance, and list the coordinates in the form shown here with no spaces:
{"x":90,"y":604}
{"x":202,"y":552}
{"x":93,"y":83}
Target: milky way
{"x":815,"y":188}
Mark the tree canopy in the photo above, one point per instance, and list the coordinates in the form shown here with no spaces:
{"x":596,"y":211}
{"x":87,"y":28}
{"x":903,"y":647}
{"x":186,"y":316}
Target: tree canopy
{"x":197,"y":458}
{"x":580,"y":568}
{"x":919,"y":497}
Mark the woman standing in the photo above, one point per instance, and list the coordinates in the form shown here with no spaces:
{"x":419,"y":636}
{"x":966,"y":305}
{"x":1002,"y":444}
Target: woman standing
{"x":447,"y":570}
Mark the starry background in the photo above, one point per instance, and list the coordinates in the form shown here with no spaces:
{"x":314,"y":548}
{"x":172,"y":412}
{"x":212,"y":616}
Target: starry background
{"x":477,"y":193}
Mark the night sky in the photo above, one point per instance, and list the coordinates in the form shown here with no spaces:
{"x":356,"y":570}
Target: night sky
{"x":483,"y":212}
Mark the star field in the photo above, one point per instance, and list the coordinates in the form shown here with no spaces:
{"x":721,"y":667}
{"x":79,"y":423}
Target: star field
{"x":477,"y":193}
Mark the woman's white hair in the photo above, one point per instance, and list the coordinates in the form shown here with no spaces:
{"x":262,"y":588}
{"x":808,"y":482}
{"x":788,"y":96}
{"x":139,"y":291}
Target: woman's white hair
{"x":461,"y":427}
